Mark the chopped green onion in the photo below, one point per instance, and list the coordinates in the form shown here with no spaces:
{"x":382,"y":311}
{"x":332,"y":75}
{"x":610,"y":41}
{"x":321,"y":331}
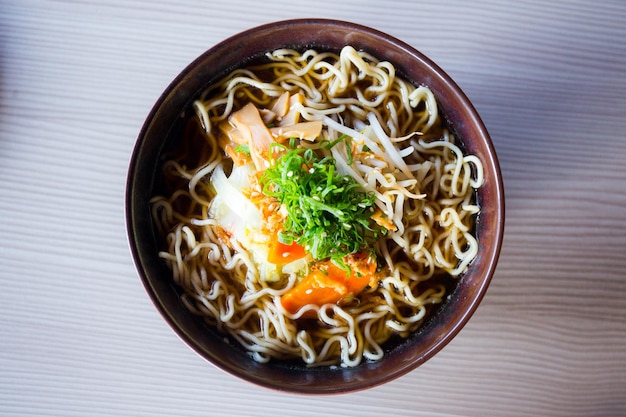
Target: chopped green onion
{"x":245,"y":149}
{"x":327,"y":212}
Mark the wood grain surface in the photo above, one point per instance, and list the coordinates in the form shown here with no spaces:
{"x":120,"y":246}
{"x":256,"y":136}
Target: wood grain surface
{"x":78,"y":334}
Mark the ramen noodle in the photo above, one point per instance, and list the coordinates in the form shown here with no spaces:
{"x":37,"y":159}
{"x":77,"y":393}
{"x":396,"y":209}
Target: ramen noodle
{"x":317,"y":207}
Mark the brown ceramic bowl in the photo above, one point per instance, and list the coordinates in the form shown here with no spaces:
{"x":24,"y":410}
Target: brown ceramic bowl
{"x":444,"y":323}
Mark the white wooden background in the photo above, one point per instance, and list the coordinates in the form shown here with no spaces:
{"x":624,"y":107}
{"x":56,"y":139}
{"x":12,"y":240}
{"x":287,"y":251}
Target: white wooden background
{"x":78,"y":334}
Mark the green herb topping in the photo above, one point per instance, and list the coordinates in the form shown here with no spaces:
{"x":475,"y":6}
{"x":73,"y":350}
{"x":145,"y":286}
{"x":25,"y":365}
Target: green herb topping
{"x":328,"y":213}
{"x":244,"y":149}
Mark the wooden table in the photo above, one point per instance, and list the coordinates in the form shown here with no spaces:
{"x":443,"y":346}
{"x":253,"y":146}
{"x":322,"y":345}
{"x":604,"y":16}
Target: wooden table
{"x":78,"y":334}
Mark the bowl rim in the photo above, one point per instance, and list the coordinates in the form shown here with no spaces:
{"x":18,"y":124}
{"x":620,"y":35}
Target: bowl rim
{"x":134,"y":216}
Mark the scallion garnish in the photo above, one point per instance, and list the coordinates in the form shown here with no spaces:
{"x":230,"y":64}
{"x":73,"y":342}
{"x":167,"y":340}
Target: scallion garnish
{"x":244,"y":149}
{"x":328,"y":213}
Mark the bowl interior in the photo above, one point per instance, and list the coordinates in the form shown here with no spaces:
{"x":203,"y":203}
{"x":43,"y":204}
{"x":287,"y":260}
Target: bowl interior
{"x":163,"y":122}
